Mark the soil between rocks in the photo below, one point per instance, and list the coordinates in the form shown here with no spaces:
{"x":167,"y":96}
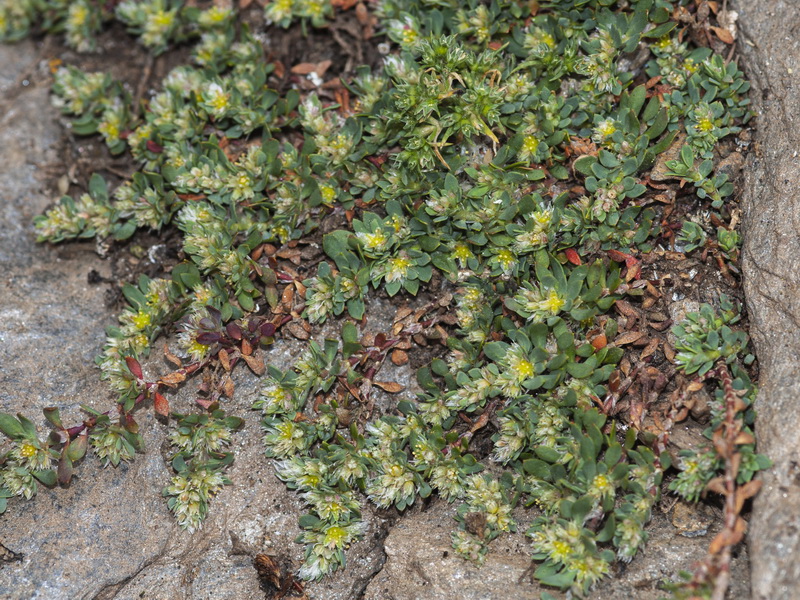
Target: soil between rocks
{"x":110,"y":535}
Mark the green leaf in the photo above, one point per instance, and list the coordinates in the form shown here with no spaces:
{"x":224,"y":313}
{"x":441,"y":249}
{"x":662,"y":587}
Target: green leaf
{"x":561,"y":580}
{"x":581,"y":508}
{"x":661,"y":30}
{"x":548,"y":454}
{"x":125,"y":231}
{"x":613,"y":454}
{"x":77,"y":447}
{"x":356,"y":308}
{"x":583,"y":165}
{"x":134,"y":296}
{"x":537,"y":468}
{"x":98,"y":189}
{"x":308,"y":521}
{"x":583,"y":369}
{"x":48,"y":477}
{"x":606,"y":534}
{"x":659,"y":125}
{"x":11,"y":427}
{"x":350,"y":341}
{"x":28,"y":427}
{"x":53,"y":415}
{"x":496,"y":351}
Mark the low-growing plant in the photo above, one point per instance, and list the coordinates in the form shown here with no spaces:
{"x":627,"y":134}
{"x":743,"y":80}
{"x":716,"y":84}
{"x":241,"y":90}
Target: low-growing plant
{"x":498,"y":153}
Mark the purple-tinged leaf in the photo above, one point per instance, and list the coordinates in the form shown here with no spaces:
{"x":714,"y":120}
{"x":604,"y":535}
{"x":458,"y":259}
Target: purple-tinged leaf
{"x":64,"y":468}
{"x":208,"y":338}
{"x":134,"y":367}
{"x":234,"y":331}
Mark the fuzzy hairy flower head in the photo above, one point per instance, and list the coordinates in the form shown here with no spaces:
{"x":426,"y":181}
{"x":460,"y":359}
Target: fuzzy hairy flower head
{"x":285,"y":438}
{"x":394,"y":486}
{"x":276,"y":398}
{"x":111,"y":446}
{"x":448,"y":480}
{"x":529,"y":147}
{"x":483,"y":493}
{"x":302,"y":473}
{"x":216,"y":100}
{"x":188,"y":346}
{"x":32,"y":457}
{"x":376,"y":241}
{"x":332,"y":506}
{"x":397,"y":268}
{"x":511,"y":440}
{"x":19,"y":481}
{"x":469,"y":547}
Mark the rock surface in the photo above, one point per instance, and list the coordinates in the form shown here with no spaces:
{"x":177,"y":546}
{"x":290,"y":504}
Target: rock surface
{"x":770,"y":46}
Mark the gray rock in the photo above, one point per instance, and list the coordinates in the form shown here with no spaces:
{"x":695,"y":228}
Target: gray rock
{"x":74,"y":541}
{"x":770,"y":48}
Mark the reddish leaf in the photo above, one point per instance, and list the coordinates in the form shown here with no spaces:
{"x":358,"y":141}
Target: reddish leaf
{"x":228,"y":387}
{"x":723,"y":34}
{"x":64,"y":468}
{"x":617,"y":256}
{"x":128,"y":422}
{"x":134,"y":367}
{"x":234,"y":331}
{"x":224,"y":359}
{"x":208,"y":337}
{"x":304,"y":68}
{"x":748,"y":490}
{"x":628,"y":337}
{"x":390,"y":386}
{"x":173,"y":379}
{"x":205,"y":403}
{"x":161,"y":405}
{"x":171,"y":357}
{"x":600,"y":341}
{"x":399,"y":357}
{"x":256,"y":364}
{"x":154,"y":147}
{"x":573,"y":256}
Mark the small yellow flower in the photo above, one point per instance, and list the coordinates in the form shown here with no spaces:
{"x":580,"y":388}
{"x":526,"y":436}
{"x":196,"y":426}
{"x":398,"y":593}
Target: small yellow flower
{"x":397,"y":268}
{"x":328,"y":193}
{"x":506,"y":259}
{"x":163,"y":19}
{"x":197,"y":349}
{"x":373,"y":241}
{"x":554,"y":303}
{"x":335,"y":536}
{"x":27,"y":450}
{"x":690,"y":65}
{"x":77,"y":16}
{"x":141,"y":320}
{"x":560,"y":551}
{"x":705,"y":125}
{"x":663,"y":43}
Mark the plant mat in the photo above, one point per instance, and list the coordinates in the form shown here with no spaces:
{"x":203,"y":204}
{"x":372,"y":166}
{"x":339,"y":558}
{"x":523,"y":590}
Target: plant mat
{"x":658,"y":284}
